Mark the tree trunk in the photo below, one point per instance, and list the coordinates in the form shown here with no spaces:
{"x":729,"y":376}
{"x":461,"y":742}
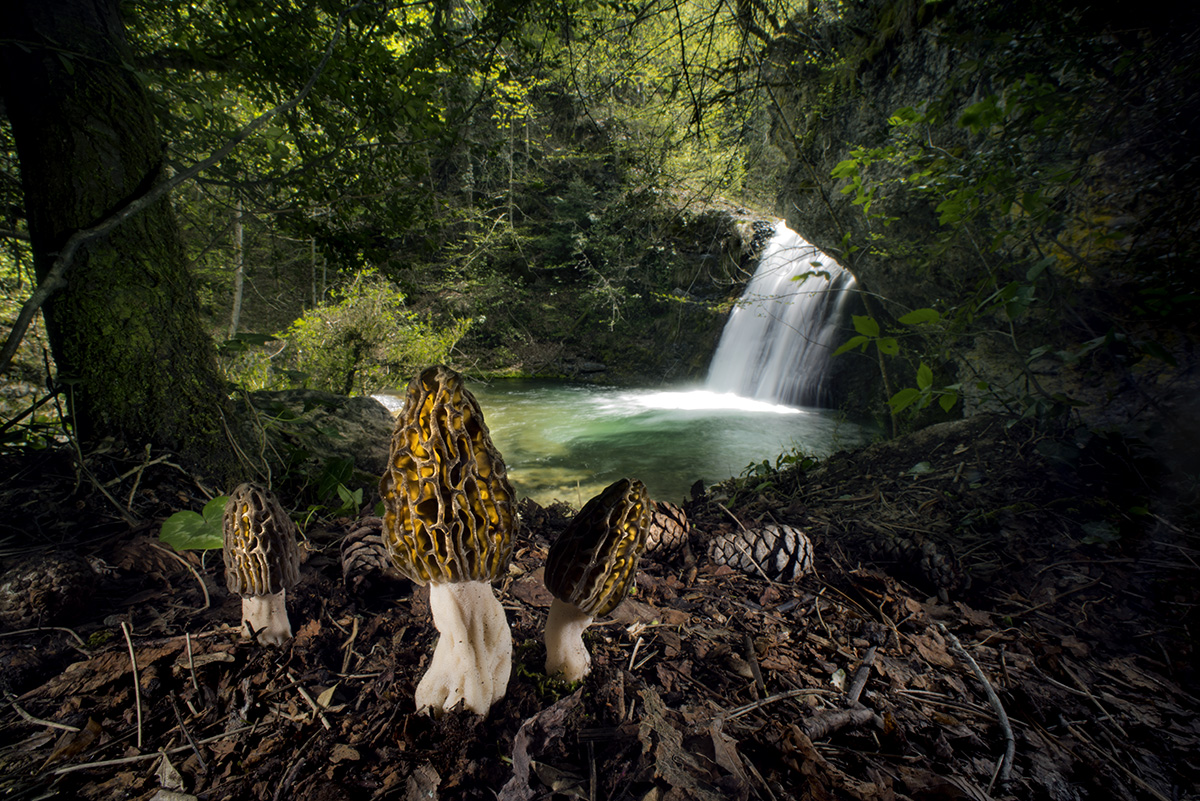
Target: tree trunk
{"x":126,"y":332}
{"x":239,"y":271}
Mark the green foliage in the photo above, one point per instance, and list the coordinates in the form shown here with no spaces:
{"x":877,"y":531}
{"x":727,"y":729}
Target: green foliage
{"x":198,"y":531}
{"x":1013,"y":159}
{"x":367,"y":339}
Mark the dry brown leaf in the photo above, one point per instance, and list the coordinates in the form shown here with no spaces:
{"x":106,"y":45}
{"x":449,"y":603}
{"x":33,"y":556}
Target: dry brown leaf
{"x":74,"y":743}
{"x":933,"y":651}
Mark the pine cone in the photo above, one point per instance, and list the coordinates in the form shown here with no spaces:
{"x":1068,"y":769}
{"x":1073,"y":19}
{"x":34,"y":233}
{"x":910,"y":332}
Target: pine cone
{"x":46,"y":589}
{"x":784,"y":553}
{"x":668,"y":528}
{"x":364,"y":556}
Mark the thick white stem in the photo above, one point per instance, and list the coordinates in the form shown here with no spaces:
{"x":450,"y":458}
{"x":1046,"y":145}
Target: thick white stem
{"x":473,"y":657}
{"x":565,"y":652}
{"x":267,"y":616}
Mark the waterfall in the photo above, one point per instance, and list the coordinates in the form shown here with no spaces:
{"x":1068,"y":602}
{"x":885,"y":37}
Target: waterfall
{"x":779,"y":337}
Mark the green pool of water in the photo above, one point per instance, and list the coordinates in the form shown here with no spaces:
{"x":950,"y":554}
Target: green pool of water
{"x":568,"y":441}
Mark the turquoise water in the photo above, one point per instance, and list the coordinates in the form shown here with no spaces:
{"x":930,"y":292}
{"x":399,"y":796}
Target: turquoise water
{"x":568,"y":441}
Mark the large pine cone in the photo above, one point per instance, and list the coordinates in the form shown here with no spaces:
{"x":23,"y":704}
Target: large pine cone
{"x":668,"y":529}
{"x":365,"y":558}
{"x":784,"y":553}
{"x":46,"y":589}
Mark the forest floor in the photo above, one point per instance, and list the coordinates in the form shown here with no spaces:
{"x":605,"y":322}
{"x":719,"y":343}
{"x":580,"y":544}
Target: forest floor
{"x":985,"y":620}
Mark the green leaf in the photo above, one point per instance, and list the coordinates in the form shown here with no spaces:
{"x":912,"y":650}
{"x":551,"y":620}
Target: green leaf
{"x":947,"y":400}
{"x":866,"y":326}
{"x":214,"y":510}
{"x":845,"y":169}
{"x":888,"y":346}
{"x":924,"y":376}
{"x":919,"y":316}
{"x":851,"y":344}
{"x":192,"y":531}
{"x":903,"y":399}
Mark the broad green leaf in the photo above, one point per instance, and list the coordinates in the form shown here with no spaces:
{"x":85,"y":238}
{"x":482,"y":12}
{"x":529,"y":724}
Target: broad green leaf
{"x":919,"y":316}
{"x":188,"y":530}
{"x":851,"y":344}
{"x":924,"y":376}
{"x":903,"y":399}
{"x":214,"y":510}
{"x":947,"y":400}
{"x":866,"y":326}
{"x":888,"y":346}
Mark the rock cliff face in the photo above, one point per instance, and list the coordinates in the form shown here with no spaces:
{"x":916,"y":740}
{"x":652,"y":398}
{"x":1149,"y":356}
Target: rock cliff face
{"x":819,"y":122}
{"x":838,"y":81}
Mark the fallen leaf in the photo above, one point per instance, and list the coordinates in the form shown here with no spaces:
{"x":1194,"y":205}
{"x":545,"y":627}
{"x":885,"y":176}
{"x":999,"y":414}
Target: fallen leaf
{"x":74,"y":743}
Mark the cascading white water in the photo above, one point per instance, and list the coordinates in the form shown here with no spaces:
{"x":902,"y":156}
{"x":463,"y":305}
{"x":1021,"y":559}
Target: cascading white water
{"x":778,"y":339}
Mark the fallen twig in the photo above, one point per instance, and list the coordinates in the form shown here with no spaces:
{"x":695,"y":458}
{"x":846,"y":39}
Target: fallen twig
{"x":137,"y":685}
{"x":824,"y":723}
{"x":861,"y":676}
{"x":188,"y":565}
{"x":108,"y":763}
{"x":783,"y":696}
{"x":1010,"y":742}
{"x":39,"y":722}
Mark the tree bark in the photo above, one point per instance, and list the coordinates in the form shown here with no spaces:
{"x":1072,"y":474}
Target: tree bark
{"x":125,"y":332}
{"x":239,"y":272}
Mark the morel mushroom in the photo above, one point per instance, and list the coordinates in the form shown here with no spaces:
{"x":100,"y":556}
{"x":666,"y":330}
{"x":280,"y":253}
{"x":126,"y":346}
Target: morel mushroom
{"x":262,"y":562}
{"x":449,"y":521}
{"x":590,"y":569}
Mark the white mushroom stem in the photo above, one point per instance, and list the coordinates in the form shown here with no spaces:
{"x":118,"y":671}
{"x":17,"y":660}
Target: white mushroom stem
{"x":473,"y":657}
{"x":565,"y":652}
{"x":267,"y":617}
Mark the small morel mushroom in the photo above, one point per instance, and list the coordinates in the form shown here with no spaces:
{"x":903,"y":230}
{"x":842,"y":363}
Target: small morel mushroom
{"x":783,"y":553}
{"x":590,"y":569}
{"x":448,"y":522}
{"x":262,"y":562}
{"x":668,"y":528}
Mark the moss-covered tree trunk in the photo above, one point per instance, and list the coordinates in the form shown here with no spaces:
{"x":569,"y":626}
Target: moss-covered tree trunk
{"x":125,"y":332}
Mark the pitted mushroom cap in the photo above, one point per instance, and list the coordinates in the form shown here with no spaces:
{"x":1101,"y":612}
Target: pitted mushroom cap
{"x":593,"y":562}
{"x":449,"y":511}
{"x":261,"y":556}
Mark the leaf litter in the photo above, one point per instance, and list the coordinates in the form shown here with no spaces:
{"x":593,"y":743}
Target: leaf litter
{"x":958,"y":639}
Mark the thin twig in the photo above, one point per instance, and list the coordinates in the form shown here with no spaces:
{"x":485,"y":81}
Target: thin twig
{"x":179,"y":749}
{"x":191,"y":661}
{"x":40,"y":722}
{"x":783,"y":696}
{"x":187,"y":734}
{"x":1010,"y":742}
{"x":315,"y":707}
{"x":188,"y":565}
{"x":78,"y":639}
{"x":137,"y":687}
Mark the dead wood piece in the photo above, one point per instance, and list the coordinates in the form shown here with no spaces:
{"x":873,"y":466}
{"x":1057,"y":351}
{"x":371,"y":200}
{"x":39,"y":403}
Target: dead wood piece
{"x":824,"y":723}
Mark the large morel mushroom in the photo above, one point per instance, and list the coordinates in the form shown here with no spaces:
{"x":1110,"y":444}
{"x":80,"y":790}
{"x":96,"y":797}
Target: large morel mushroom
{"x":262,"y":562}
{"x":449,"y":522}
{"x":590,"y":568}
